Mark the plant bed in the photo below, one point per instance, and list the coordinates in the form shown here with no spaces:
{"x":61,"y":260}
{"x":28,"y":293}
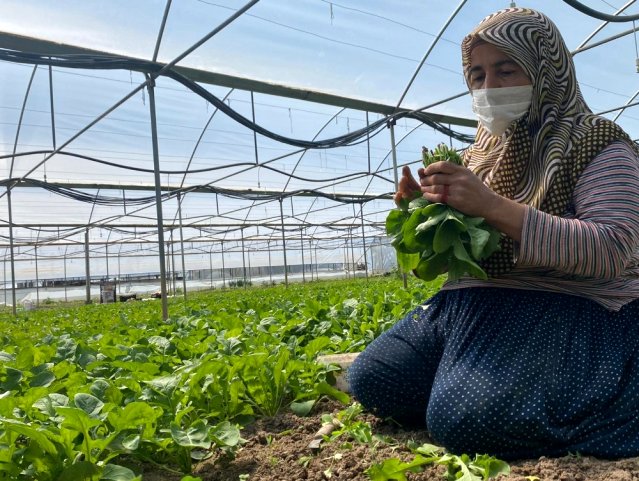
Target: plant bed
{"x":276,"y":449}
{"x":112,"y":391}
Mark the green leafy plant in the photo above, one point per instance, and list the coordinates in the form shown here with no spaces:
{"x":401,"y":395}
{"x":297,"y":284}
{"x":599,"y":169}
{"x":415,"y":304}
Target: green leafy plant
{"x":347,"y":426}
{"x":396,"y":469}
{"x":266,"y":383}
{"x":458,"y":468}
{"x":196,"y":441}
{"x":433,"y":238}
{"x":89,"y":438}
{"x":88,"y":390}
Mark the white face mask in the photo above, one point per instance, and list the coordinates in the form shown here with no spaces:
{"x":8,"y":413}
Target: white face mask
{"x":497,"y":108}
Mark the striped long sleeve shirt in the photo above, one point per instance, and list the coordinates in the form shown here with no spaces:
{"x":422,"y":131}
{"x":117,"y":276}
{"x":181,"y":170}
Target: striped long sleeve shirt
{"x":593,"y":250}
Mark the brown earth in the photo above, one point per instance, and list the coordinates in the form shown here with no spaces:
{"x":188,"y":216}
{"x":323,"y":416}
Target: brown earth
{"x":277,"y":449}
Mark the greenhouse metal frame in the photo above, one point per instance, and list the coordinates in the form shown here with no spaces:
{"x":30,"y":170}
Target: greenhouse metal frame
{"x":267,"y":233}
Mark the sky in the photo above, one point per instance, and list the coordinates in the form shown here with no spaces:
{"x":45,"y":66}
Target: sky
{"x":354,"y":48}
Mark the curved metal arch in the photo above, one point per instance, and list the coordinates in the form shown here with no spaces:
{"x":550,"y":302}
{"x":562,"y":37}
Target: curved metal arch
{"x":603,"y":25}
{"x":428,"y":52}
{"x":8,"y":192}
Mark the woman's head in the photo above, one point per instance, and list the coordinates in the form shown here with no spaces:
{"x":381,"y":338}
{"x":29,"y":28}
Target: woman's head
{"x":501,"y":90}
{"x":531,"y":48}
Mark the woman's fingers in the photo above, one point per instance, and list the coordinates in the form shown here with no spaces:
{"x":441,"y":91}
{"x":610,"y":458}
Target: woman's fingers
{"x":440,"y":173}
{"x":446,"y":183}
{"x":456,"y":186}
{"x":408,"y":180}
{"x":444,"y":195}
{"x":437,"y":179}
{"x":440,"y":181}
{"x":437,"y":193}
{"x":407,"y":184}
{"x":442,"y":167}
{"x":408,"y":187}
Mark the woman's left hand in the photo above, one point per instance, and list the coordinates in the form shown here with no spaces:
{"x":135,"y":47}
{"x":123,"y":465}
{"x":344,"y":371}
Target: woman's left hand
{"x":458,"y":187}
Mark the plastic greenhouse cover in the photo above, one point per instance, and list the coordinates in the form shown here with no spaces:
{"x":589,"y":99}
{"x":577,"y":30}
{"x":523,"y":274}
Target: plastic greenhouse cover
{"x":366,"y":50}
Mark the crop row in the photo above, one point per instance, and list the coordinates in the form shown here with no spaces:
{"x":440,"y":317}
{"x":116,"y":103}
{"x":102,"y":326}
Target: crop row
{"x":85,"y":391}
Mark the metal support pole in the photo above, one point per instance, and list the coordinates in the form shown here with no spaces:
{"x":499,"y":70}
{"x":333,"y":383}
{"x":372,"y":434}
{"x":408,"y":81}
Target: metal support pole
{"x":179,"y":200}
{"x":316,"y":262}
{"x":87,"y":267}
{"x":348,"y":273}
{"x":361,"y":213}
{"x":119,"y":272}
{"x":302,"y":247}
{"x":37,"y":277}
{"x":4,"y":276}
{"x":223,"y":267}
{"x":372,"y":257}
{"x":11,"y":250}
{"x":173,"y":265}
{"x":250,"y":278}
{"x":211,"y":266}
{"x":310,"y":253}
{"x":65,"y":274}
{"x":106,"y":255}
{"x":270,"y":266}
{"x":169,"y":273}
{"x":158,"y":196}
{"x":284,"y":243}
{"x":354,"y":267}
{"x":243,"y":258}
{"x":396,"y":179}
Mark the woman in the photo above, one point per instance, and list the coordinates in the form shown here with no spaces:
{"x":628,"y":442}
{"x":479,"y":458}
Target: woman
{"x":543,"y":357}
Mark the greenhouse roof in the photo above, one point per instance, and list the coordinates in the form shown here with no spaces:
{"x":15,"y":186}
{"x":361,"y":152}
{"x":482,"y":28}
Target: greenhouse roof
{"x":267,"y":113}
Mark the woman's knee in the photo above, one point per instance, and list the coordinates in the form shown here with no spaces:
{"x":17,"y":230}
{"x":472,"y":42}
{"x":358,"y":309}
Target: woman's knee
{"x":387,"y":393}
{"x":357,"y":375}
{"x":366,"y":381}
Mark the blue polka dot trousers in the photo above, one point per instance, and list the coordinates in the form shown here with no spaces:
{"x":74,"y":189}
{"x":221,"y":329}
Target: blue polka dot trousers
{"x":512,"y":373}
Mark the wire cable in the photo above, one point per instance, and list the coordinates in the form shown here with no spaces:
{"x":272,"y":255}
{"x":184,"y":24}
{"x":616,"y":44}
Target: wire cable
{"x":110,"y":62}
{"x":82,"y":196}
{"x":600,"y":15}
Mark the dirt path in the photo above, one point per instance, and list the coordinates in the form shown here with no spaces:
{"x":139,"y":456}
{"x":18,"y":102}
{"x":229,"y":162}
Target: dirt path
{"x":277,"y":450}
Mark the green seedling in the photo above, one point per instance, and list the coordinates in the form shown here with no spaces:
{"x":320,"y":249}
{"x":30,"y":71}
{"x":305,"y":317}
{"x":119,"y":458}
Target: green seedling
{"x":346,"y":425}
{"x":458,"y":468}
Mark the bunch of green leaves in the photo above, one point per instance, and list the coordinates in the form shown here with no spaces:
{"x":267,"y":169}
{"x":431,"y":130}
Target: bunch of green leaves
{"x":458,"y":468}
{"x":433,"y":238}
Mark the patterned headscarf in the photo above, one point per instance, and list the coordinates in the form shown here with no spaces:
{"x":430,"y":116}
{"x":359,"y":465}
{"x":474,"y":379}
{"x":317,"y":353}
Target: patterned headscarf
{"x":538,"y":160}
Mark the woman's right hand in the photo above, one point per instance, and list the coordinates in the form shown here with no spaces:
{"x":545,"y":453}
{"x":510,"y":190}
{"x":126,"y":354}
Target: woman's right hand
{"x":409,"y":188}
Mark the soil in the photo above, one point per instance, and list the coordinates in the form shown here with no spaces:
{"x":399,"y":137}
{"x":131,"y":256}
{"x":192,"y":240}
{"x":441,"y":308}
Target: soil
{"x":277,"y":449}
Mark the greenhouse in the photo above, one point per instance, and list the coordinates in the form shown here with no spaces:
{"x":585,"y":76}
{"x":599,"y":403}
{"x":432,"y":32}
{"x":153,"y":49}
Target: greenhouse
{"x":157,"y":150}
{"x":242,"y":163}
